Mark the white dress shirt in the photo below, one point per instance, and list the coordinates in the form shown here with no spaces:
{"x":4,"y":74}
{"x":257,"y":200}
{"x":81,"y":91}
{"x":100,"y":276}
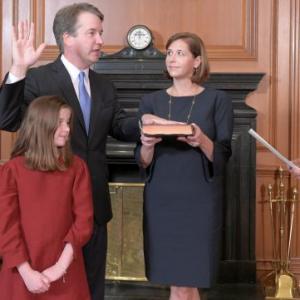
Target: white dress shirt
{"x":72,"y":70}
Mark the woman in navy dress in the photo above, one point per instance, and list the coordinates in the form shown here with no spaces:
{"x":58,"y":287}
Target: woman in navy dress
{"x":184,"y":188}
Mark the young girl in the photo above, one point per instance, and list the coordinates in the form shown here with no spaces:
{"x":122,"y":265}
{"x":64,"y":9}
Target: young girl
{"x":45,"y":209}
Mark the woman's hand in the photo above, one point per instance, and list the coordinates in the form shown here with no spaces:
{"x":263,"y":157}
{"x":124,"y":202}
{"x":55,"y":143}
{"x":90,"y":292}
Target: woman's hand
{"x":200,"y":140}
{"x":147,"y":149}
{"x":24,"y":53}
{"x":149,"y":141}
{"x":194,"y":140}
{"x":148,"y":119}
{"x":35,"y":281}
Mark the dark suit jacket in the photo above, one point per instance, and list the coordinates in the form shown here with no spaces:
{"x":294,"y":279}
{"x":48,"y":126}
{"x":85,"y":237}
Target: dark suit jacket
{"x":106,"y":118}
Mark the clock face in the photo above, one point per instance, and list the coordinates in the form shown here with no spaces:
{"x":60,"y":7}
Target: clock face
{"x":139,"y":37}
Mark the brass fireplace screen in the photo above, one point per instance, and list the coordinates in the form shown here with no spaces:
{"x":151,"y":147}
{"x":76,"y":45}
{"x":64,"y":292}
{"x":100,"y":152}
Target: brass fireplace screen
{"x":125,"y":257}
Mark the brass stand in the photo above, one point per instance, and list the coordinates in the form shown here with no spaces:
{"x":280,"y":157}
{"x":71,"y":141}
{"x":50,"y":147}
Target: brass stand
{"x":282,"y":211}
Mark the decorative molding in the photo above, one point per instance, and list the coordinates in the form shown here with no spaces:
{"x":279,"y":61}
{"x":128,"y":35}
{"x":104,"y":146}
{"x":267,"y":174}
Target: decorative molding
{"x":37,"y":15}
{"x":270,"y":172}
{"x":15,"y":12}
{"x":248,"y":50}
{"x":50,"y":53}
{"x":273,"y":72}
{"x":130,"y":53}
{"x":294,"y":101}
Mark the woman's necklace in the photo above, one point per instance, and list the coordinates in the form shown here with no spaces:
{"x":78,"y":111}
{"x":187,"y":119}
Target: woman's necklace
{"x":190,"y":111}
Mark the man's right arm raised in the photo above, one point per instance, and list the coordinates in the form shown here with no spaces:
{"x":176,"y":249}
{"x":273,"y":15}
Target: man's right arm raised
{"x":24,"y":55}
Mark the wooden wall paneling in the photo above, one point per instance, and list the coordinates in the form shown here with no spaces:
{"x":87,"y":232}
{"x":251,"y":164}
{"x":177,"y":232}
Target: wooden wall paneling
{"x":267,"y":108}
{"x":295,"y":266}
{"x":43,"y":26}
{"x":265,"y":163}
{"x":264,"y":101}
{"x":12,"y":12}
{"x":284,"y":121}
{"x":230,"y":35}
{"x":246,"y":48}
{"x":41,"y":13}
{"x":283,"y":79}
{"x":8,"y":13}
{"x":7,"y":140}
{"x":37,"y":15}
{"x":287,"y":99}
{"x":295,"y":112}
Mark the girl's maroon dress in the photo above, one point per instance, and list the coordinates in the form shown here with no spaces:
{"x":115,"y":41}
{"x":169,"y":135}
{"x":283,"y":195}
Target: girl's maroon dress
{"x":39,"y":213}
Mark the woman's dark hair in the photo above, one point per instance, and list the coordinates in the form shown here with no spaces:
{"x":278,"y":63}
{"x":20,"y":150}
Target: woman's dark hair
{"x":197,"y":48}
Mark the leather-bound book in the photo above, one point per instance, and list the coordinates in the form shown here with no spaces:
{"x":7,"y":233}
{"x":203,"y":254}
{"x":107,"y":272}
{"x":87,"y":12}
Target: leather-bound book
{"x":162,"y":130}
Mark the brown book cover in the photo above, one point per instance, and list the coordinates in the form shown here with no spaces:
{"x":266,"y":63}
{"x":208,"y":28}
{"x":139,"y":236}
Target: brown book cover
{"x":173,"y":129}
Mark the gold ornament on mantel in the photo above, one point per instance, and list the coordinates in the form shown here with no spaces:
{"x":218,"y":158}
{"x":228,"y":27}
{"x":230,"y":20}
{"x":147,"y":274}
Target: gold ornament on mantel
{"x":284,"y":284}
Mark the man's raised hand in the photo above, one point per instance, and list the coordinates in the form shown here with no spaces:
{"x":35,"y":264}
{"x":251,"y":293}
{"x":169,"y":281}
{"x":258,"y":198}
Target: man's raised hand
{"x":24,"y":53}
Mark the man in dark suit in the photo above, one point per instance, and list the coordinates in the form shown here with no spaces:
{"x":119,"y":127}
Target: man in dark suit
{"x":78,"y":32}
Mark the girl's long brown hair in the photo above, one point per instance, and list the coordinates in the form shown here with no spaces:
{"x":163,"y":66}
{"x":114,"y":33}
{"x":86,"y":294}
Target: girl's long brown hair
{"x":35,"y":139}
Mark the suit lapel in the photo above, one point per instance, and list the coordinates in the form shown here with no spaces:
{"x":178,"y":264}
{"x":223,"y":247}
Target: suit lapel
{"x":65,"y":85}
